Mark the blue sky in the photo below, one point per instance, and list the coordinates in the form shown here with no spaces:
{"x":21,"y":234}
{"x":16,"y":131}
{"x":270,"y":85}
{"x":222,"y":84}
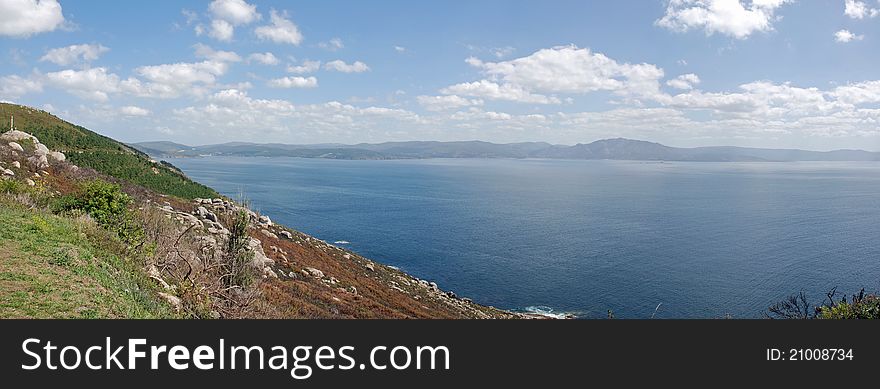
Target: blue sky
{"x":769,"y":73}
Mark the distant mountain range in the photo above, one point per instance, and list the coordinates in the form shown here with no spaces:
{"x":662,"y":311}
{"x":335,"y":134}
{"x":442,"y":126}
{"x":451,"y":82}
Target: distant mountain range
{"x":615,"y":149}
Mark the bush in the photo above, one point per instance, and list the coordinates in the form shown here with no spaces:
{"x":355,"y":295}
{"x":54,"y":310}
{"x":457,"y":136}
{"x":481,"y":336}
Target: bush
{"x":10,"y":186}
{"x":108,"y":205}
{"x":237,"y":264}
{"x":861,"y":307}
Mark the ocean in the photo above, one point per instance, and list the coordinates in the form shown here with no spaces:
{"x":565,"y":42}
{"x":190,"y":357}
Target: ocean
{"x":641,"y":239}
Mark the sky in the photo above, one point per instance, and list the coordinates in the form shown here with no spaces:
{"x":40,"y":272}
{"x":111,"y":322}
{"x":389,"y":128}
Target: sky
{"x":761,"y":73}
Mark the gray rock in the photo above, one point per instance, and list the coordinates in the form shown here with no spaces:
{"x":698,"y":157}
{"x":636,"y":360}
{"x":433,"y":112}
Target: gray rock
{"x":16,"y":164}
{"x":172,"y":300}
{"x":15,"y":146}
{"x":15,"y":135}
{"x":8,"y":172}
{"x":265,"y":220}
{"x":314,"y":272}
{"x":286,"y":234}
{"x":41,"y":149}
{"x":58,"y":156}
{"x":260,"y":258}
{"x":268,"y":234}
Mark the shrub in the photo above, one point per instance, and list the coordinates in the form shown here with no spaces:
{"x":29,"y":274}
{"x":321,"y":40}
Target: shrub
{"x":238,"y":258}
{"x":10,"y":186}
{"x":108,"y":205}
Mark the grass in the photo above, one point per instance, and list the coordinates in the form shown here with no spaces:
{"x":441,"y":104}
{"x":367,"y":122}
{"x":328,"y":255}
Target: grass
{"x":56,"y":267}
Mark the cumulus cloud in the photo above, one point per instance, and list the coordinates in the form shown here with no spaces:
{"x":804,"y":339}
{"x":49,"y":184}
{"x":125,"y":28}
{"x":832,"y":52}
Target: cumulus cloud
{"x":399,"y":49}
{"x":859,"y":10}
{"x":174,"y":80}
{"x":233,"y":113}
{"x":444,"y":103}
{"x":12,"y":87}
{"x":207,"y":52}
{"x":266,"y":58}
{"x":557,"y":70}
{"x":23,"y":18}
{"x":225,"y":16}
{"x":845,"y":36}
{"x":493,"y":91}
{"x":684,"y":81}
{"x":74,"y":54}
{"x":341,"y":66}
{"x":94,"y":84}
{"x":131,"y":110}
{"x":735,"y":18}
{"x":280,"y":30}
{"x":237,"y":12}
{"x":294,"y":82}
{"x":305,"y":68}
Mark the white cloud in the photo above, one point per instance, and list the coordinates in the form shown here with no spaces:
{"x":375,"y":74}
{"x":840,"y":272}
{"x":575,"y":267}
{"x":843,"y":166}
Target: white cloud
{"x":341,"y":66}
{"x":859,"y":10}
{"x":93,"y":84}
{"x":332,"y":45}
{"x":74,"y":54}
{"x":266,"y":58}
{"x":206,"y":52}
{"x":493,"y":91}
{"x":735,"y":18}
{"x":12,"y":87}
{"x":280,"y":30}
{"x":221,"y":30}
{"x":305,"y":68}
{"x":845,"y":36}
{"x":443,"y":103}
{"x":131,"y":110}
{"x":294,"y":82}
{"x":399,"y":49}
{"x":565,"y":69}
{"x":23,"y":18}
{"x":174,"y":80}
{"x":232,"y":113}
{"x":501,"y":52}
{"x":236,"y":12}
{"x":684,"y":81}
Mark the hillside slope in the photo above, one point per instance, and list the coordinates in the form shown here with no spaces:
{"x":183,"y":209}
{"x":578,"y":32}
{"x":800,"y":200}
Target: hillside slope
{"x":101,"y":231}
{"x":88,"y":149}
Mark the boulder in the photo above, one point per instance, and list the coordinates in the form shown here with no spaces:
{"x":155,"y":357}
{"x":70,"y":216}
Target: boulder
{"x":41,"y":149}
{"x":7,"y":172}
{"x":370,"y":267}
{"x":15,"y":146}
{"x":39,"y":161}
{"x":30,"y":182}
{"x":16,"y":135}
{"x":314,"y":272}
{"x":286,"y":234}
{"x":16,"y":164}
{"x":260,"y":258}
{"x":58,"y":156}
{"x":172,"y":300}
{"x":265,"y":220}
{"x":268,"y":234}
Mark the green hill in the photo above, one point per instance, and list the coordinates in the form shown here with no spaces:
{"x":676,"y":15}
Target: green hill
{"x":86,"y":148}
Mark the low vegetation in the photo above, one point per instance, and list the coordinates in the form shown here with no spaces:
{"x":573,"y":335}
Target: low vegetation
{"x":860,"y":305}
{"x":89,"y":149}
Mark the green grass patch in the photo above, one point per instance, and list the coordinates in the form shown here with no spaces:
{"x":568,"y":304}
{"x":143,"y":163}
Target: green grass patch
{"x":56,"y":267}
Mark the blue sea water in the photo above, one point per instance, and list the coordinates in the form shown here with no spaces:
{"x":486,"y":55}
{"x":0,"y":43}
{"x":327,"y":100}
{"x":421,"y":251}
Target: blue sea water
{"x":701,"y":240}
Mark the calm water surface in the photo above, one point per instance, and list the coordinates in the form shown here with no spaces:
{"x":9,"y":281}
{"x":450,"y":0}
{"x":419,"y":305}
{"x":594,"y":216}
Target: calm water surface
{"x":703,"y":239}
